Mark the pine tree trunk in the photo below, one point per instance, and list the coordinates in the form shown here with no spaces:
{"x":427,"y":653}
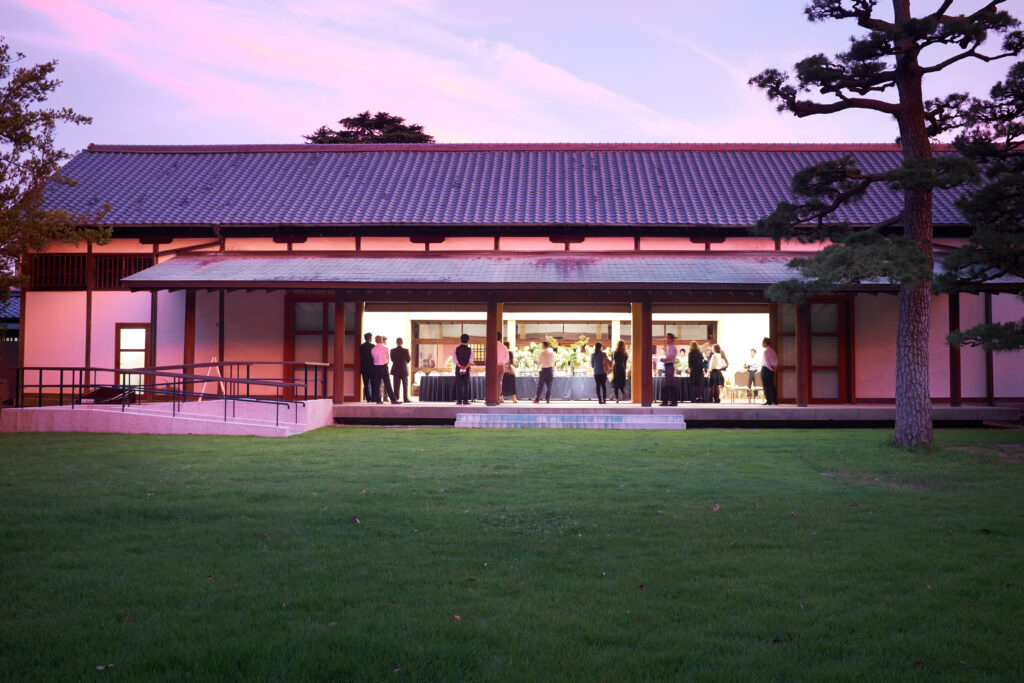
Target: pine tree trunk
{"x":913,"y":395}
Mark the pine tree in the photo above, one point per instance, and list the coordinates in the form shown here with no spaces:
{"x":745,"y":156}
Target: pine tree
{"x":993,"y":137}
{"x":29,"y":160}
{"x":366,"y":128}
{"x":882,"y":71}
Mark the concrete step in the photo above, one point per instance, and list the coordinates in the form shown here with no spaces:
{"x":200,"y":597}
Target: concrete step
{"x":569,"y":421}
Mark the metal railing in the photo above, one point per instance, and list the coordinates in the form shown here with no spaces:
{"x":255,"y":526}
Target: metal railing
{"x":78,"y":385}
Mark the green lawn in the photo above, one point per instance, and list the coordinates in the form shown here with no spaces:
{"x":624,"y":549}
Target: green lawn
{"x":512,"y":555}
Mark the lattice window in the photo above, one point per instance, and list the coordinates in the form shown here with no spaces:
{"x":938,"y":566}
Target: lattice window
{"x":58,"y":271}
{"x":110,"y":268}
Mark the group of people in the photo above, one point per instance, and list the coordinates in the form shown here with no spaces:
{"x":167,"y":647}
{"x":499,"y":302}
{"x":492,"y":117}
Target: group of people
{"x":375,"y":355}
{"x":373,"y":366}
{"x":715,"y":362}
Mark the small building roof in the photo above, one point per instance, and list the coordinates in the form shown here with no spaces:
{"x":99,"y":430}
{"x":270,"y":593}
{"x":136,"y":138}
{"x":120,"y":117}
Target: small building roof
{"x":468,"y":270}
{"x":502,"y":185}
{"x":11,"y":309}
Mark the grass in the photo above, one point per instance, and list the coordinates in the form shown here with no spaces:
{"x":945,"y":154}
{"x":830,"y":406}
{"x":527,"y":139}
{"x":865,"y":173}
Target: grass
{"x":498,"y":555}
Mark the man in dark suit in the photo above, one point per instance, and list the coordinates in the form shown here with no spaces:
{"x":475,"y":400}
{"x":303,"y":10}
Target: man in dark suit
{"x":400,"y":369}
{"x":366,"y":368}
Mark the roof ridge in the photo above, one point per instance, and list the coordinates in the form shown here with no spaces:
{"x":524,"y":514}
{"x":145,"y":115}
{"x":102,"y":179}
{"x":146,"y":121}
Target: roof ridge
{"x":507,"y":147}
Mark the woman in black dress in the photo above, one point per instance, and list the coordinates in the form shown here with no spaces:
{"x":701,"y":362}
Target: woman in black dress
{"x":508,"y":380}
{"x":695,"y":359}
{"x":619,"y":359}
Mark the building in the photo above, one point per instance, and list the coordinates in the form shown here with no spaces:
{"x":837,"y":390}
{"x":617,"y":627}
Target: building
{"x":288,"y":252}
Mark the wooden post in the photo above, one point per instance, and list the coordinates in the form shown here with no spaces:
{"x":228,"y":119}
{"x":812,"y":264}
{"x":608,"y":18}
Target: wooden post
{"x":647,"y":393}
{"x":954,"y":352}
{"x":803,"y":354}
{"x":220,"y":326}
{"x":339,"y":348}
{"x":189,"y":351}
{"x":635,"y":354}
{"x":492,"y":386}
{"x":990,"y":391}
{"x":357,"y":379}
{"x":90,"y":285}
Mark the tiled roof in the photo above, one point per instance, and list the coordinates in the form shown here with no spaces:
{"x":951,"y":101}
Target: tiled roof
{"x":519,"y":270}
{"x":11,"y":309}
{"x":501,"y":185}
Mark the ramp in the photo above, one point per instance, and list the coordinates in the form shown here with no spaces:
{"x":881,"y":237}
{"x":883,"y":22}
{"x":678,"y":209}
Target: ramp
{"x":569,"y":421}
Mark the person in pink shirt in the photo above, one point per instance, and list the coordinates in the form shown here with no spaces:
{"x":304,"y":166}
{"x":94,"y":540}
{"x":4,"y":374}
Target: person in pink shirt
{"x":380,"y":366}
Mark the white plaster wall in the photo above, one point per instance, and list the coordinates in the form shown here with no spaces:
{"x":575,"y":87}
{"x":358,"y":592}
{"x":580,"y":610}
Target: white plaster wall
{"x":528,"y":244}
{"x":938,"y":350}
{"x":108,"y":309}
{"x":207,"y":306}
{"x":972,"y":360}
{"x":125,"y":246}
{"x":464,"y":244}
{"x":874,"y":345}
{"x":603,"y":244}
{"x":1008,"y":366}
{"x":389,"y":244}
{"x":170,"y":329}
{"x":254,"y":329}
{"x":54,"y":333}
{"x":326,"y":244}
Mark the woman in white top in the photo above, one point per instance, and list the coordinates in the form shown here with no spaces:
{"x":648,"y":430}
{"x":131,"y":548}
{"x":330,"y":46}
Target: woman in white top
{"x":717,"y":363}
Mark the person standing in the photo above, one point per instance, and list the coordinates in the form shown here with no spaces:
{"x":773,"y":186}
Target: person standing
{"x":380,"y":366}
{"x":717,"y":365}
{"x":597,"y":361}
{"x":366,"y":370}
{"x":546,"y":361}
{"x":669,"y":392}
{"x":463,"y":358}
{"x":695,"y":359}
{"x":508,"y":378}
{"x":769,"y":362}
{"x":619,"y":359}
{"x":502,"y":363}
{"x":752,"y":367}
{"x":400,"y":369}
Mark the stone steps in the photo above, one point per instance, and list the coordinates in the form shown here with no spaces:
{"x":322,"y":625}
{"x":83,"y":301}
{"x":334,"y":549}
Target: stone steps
{"x":569,"y":421}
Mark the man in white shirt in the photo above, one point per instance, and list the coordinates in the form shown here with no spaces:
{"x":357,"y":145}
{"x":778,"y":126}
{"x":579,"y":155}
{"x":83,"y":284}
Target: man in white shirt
{"x":546,"y":361}
{"x":670,"y":392}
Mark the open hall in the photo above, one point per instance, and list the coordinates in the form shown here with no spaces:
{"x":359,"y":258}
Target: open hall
{"x":275,"y":260}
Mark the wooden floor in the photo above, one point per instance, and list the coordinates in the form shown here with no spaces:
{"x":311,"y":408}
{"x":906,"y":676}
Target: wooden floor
{"x":739,"y":414}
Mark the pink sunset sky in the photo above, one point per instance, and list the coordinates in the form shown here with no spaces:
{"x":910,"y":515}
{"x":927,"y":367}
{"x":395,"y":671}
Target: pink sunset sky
{"x":269,"y":71}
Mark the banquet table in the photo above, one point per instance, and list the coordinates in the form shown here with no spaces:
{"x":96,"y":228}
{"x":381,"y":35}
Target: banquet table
{"x":441,"y":388}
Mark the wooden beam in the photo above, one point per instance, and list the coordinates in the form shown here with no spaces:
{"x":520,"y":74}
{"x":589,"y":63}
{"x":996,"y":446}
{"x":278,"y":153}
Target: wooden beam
{"x":220,"y":325}
{"x":90,"y":285}
{"x":357,"y":379}
{"x":635,"y":354}
{"x":338,"y":388}
{"x":955,"y":392}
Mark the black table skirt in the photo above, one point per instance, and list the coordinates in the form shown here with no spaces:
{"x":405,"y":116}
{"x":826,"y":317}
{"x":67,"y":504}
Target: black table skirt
{"x":441,"y":388}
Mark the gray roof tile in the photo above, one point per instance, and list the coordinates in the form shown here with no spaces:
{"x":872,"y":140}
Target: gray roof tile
{"x":622,"y":185}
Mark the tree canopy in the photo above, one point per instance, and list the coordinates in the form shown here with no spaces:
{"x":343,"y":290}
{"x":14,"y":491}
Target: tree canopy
{"x":366,"y":128}
{"x":882,"y":70}
{"x":28,"y":160}
{"x":993,"y":138}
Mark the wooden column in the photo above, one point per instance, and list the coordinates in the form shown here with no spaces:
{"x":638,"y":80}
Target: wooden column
{"x":492,"y":383}
{"x":220,"y":325}
{"x":153,"y":313}
{"x":357,"y":378}
{"x":990,"y":384}
{"x":636,"y":367}
{"x":647,"y":397}
{"x":954,"y":352}
{"x":90,"y":285}
{"x":339,"y":348}
{"x":189,"y":345}
{"x":803,"y":354}
{"x":642,"y":386}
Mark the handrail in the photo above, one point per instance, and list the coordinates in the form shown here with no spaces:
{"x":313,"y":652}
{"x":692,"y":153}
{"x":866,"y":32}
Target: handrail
{"x":73,"y":383}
